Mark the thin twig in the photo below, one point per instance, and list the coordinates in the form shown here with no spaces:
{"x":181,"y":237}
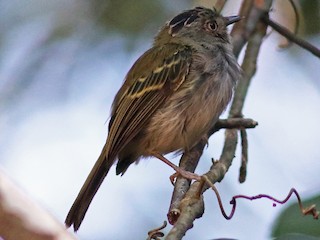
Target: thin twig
{"x":244,"y":156}
{"x":292,"y":37}
{"x":233,"y":123}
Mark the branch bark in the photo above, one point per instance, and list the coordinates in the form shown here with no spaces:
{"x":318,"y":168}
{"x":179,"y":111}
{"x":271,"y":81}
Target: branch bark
{"x":23,"y":219}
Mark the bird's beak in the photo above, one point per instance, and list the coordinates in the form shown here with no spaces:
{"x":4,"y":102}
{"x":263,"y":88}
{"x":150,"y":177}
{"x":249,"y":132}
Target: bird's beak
{"x":232,"y":19}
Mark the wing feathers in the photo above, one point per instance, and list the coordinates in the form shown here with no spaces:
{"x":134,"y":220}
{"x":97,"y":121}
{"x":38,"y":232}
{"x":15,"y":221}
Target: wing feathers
{"x":146,"y":94}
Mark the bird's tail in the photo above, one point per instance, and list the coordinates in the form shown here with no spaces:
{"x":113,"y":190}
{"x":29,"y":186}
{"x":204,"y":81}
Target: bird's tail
{"x":88,"y":190}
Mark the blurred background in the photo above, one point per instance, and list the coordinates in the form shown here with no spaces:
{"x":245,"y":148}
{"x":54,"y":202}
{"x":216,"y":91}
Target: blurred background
{"x":61,"y":64}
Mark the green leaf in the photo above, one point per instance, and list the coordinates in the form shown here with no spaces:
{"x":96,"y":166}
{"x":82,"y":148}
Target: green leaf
{"x":293,"y":223}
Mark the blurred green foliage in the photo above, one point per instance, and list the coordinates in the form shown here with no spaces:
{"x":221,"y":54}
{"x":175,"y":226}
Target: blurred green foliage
{"x":292,"y":221}
{"x":125,"y":16}
{"x":311,"y":16}
{"x":295,"y":236}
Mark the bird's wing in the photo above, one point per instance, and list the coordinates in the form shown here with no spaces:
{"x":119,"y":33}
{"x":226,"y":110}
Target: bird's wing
{"x":147,"y":85}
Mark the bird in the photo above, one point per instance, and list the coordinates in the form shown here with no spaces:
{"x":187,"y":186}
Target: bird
{"x":171,"y":97}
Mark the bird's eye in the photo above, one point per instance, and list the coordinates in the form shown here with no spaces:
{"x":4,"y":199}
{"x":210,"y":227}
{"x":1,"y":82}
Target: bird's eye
{"x":212,"y":26}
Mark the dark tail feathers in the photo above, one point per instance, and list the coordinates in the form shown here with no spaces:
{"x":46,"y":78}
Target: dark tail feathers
{"x":88,"y":190}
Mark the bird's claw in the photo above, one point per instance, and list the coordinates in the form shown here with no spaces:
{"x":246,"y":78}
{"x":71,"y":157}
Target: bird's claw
{"x":185,"y":174}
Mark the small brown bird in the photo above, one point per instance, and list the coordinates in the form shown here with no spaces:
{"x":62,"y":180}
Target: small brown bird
{"x":171,"y":97}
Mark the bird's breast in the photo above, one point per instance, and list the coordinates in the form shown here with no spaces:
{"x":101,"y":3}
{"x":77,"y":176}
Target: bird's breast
{"x":192,"y":110}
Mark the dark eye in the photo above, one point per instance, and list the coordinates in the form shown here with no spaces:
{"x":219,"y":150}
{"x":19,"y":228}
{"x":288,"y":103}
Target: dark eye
{"x":212,"y":26}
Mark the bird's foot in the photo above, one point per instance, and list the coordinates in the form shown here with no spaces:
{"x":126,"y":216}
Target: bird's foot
{"x":185,"y":174}
{"x":179,"y":171}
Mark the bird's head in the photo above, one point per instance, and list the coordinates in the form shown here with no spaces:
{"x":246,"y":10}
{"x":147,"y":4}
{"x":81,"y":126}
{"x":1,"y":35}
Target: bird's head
{"x":198,"y":25}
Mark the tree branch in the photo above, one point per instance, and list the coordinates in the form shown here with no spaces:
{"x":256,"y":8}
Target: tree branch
{"x":21,"y":218}
{"x":232,"y":123}
{"x":190,"y":160}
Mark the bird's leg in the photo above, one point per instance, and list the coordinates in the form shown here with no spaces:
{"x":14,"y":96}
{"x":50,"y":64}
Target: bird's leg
{"x":179,"y":171}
